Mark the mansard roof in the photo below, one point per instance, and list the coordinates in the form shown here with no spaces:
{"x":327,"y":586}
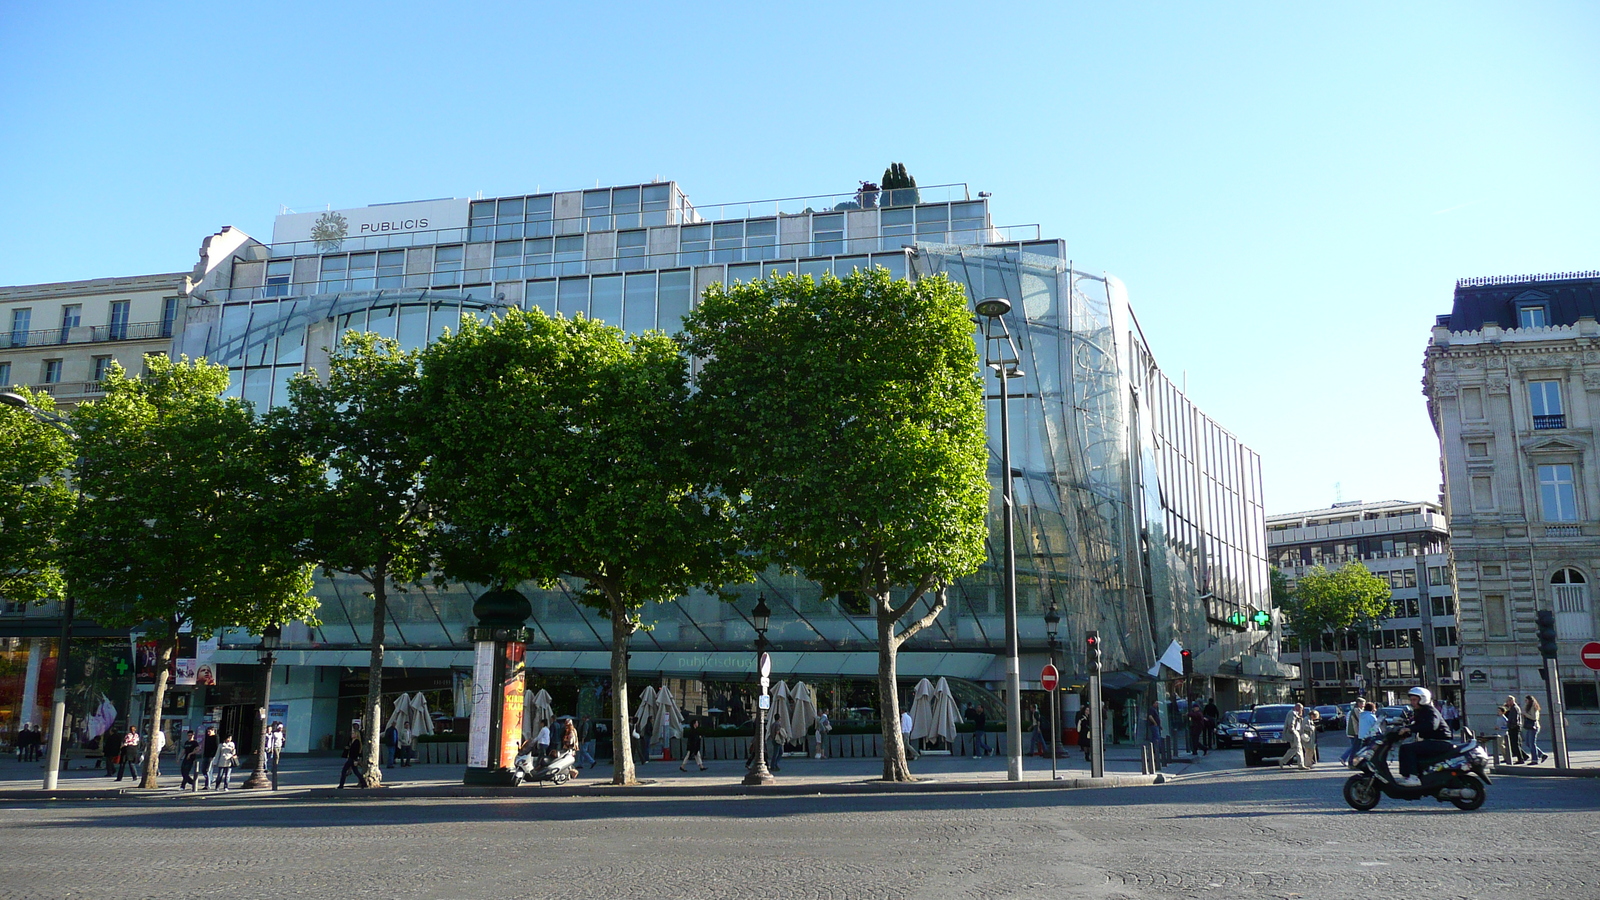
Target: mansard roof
{"x":1565,"y":295}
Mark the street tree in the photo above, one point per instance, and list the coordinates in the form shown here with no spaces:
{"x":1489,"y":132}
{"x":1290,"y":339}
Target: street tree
{"x":1336,"y":603}
{"x":563,"y":449}
{"x":35,"y":501}
{"x":180,"y":527}
{"x":361,"y":430}
{"x":849,"y":419}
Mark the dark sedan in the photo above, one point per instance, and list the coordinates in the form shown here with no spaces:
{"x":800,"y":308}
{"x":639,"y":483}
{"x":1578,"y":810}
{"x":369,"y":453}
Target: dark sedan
{"x":1264,"y":739}
{"x":1230,"y":731}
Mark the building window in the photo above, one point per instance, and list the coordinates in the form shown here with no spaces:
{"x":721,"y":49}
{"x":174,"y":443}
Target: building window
{"x":447,"y":264}
{"x":119,"y":320}
{"x":52,"y":371}
{"x":1580,"y":694}
{"x":694,"y":245}
{"x":279,"y":272}
{"x":169,"y":315}
{"x":1472,"y":404}
{"x":71,"y":317}
{"x":21,"y":321}
{"x":1482,"y":492}
{"x":1444,"y":636}
{"x":5,"y":374}
{"x":1494,"y":616}
{"x":1569,"y":594}
{"x":1544,"y":397}
{"x":102,"y":367}
{"x":1557,"y":495}
{"x":1532,"y":317}
{"x":1443,"y":606}
{"x":827,"y":235}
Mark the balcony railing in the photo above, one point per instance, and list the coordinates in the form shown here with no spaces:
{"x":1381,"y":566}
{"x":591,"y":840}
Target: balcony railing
{"x":1545,"y":423}
{"x":85,"y":334}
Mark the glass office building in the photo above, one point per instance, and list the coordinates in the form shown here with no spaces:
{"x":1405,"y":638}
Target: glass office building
{"x":1136,"y":514}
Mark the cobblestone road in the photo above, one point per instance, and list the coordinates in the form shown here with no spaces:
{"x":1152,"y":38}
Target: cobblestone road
{"x":1222,"y":834}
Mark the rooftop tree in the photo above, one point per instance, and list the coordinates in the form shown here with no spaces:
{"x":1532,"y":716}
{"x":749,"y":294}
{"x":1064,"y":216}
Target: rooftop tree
{"x":35,"y":500}
{"x":563,"y":449}
{"x":849,"y":419}
{"x":362,"y":431}
{"x":180,"y":526}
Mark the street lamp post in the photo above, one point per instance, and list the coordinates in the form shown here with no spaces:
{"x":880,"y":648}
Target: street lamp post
{"x":1006,"y":364}
{"x":1052,"y":624}
{"x":259,"y":780}
{"x":761,"y":617}
{"x":58,"y":703}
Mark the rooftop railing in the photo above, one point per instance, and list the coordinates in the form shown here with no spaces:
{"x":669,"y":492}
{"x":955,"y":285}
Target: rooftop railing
{"x":85,"y":334}
{"x":1490,"y":280}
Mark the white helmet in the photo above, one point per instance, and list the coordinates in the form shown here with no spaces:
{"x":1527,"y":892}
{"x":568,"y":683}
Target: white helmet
{"x":1422,"y":694}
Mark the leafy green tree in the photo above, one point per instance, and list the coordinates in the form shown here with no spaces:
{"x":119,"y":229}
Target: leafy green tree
{"x":1336,"y":603}
{"x":901,"y":186}
{"x":362,"y":433}
{"x":563,"y":448}
{"x":849,"y":418}
{"x":179,"y":522}
{"x":35,"y":501}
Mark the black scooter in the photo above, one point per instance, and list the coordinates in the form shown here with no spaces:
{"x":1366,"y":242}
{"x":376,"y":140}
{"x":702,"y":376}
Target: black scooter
{"x":1461,"y":776}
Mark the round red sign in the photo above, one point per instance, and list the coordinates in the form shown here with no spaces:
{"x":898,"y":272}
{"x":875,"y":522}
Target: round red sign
{"x":1590,"y":654}
{"x":1049,"y":678}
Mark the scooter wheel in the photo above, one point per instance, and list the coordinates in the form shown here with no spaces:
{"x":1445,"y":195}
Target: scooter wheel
{"x":1471,"y":782}
{"x":517,"y":778}
{"x":560,"y":779}
{"x":1361,"y":792}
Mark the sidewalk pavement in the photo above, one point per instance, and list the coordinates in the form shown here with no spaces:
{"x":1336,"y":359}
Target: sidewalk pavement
{"x":318,"y":777}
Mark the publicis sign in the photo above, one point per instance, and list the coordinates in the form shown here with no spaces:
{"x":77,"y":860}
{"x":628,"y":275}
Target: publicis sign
{"x":331,"y":229}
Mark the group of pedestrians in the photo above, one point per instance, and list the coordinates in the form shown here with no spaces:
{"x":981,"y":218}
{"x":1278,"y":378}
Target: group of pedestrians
{"x":207,"y":762}
{"x":127,"y":753}
{"x":29,"y":743}
{"x":1300,"y":734}
{"x":1520,"y":722}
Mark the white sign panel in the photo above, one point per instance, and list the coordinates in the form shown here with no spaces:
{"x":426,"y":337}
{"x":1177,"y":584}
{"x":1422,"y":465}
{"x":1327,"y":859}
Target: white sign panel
{"x":332,"y":228}
{"x":482,"y":693}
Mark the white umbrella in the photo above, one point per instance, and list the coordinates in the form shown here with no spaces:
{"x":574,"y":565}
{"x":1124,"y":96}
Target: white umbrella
{"x":782,"y":729}
{"x":945,"y":713}
{"x":647,"y":701}
{"x":536,"y":712}
{"x":421,"y":717}
{"x":401,"y":715}
{"x":803,"y":708}
{"x":668,"y":718}
{"x":921,"y":710}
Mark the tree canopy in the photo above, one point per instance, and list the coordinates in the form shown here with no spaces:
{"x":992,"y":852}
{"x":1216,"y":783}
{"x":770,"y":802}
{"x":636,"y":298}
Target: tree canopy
{"x":847,"y":416}
{"x":35,"y":501}
{"x":180,"y":523}
{"x":563,"y":449}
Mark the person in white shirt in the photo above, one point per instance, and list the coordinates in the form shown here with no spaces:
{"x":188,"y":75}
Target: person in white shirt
{"x":541,"y":741}
{"x":905,"y":735}
{"x":274,"y":751}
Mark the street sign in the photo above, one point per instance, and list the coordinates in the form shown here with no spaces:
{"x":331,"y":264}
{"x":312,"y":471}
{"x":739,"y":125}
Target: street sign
{"x":765,"y":665}
{"x":1049,"y":678}
{"x":1590,"y":654}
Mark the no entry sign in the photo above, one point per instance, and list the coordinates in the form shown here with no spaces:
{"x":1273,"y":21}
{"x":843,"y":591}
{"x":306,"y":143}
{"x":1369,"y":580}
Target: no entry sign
{"x":1049,"y":678}
{"x":1590,"y":654}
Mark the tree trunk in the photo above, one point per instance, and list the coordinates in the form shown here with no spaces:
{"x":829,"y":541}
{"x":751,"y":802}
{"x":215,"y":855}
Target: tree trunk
{"x":371,"y":725}
{"x":894,"y":751}
{"x":152,"y":759}
{"x":621,"y":729}
{"x":1338,"y":656}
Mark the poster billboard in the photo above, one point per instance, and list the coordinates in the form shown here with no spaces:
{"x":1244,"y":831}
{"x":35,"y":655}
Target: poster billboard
{"x":511,"y":698}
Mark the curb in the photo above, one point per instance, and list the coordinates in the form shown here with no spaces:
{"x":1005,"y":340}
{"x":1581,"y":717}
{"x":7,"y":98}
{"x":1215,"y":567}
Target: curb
{"x":1541,"y":772}
{"x":643,"y":789}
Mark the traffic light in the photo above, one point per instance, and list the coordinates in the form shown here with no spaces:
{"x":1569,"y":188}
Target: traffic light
{"x":1547,"y":634}
{"x":1091,"y":641}
{"x":1188,"y":662}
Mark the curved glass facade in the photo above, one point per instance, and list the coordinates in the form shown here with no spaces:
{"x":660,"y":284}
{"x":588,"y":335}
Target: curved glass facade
{"x":1136,"y":514}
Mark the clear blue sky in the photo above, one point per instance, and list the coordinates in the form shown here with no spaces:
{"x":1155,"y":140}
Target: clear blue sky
{"x":1289,"y":194}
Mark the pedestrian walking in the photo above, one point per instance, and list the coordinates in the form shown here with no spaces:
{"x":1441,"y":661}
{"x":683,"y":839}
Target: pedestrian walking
{"x":691,"y":748}
{"x":1308,"y":737}
{"x":1152,"y":725}
{"x":1040,"y":746}
{"x":389,"y":741}
{"x":1084,"y":725}
{"x":130,"y":749}
{"x":980,"y":732}
{"x":111,"y":741}
{"x":188,"y":759}
{"x":1514,"y":729}
{"x":1197,"y":729}
{"x":227,"y":758}
{"x":569,"y":744}
{"x":1213,"y":715}
{"x":541,"y":741}
{"x":352,"y":759}
{"x":405,"y":746}
{"x":905,"y":736}
{"x":1295,"y":738}
{"x":1352,"y":729}
{"x":274,"y":750}
{"x":208,"y":755}
{"x":1530,"y":730}
{"x":824,"y":726}
{"x":158,"y":743}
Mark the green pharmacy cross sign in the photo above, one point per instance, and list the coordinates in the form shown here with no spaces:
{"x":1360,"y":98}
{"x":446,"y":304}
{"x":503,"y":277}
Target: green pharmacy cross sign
{"x":122,"y":667}
{"x":1261,"y":619}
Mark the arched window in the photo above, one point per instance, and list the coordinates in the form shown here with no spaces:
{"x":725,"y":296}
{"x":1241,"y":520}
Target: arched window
{"x":1569,"y":594}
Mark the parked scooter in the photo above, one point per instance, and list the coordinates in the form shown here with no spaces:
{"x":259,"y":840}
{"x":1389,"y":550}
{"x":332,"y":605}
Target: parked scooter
{"x":536,"y":768}
{"x":1461,"y":776}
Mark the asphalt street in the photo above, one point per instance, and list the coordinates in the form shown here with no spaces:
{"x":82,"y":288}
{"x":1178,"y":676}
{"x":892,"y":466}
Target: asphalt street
{"x":1216,"y":831}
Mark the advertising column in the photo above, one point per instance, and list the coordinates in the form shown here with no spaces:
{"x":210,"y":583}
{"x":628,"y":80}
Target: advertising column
{"x":498,"y":679}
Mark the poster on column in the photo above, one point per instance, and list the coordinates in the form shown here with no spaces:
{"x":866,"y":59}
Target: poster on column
{"x":511,"y":698}
{"x":482,"y":693}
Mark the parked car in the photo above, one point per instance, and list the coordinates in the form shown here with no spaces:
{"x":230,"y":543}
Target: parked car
{"x":1264,"y":738}
{"x":1231,"y":728}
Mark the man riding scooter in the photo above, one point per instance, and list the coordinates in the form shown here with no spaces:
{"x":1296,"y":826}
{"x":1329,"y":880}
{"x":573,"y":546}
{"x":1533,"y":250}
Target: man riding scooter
{"x":1433,"y":736}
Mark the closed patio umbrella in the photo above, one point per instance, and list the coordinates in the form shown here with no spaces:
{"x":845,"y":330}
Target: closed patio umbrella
{"x":922,"y":710}
{"x":421,"y":716}
{"x":946,"y":715}
{"x":668,"y":718}
{"x":647,"y":711}
{"x":782,"y":727}
{"x":536,"y":713}
{"x":803,"y":709}
{"x":401,"y":715}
